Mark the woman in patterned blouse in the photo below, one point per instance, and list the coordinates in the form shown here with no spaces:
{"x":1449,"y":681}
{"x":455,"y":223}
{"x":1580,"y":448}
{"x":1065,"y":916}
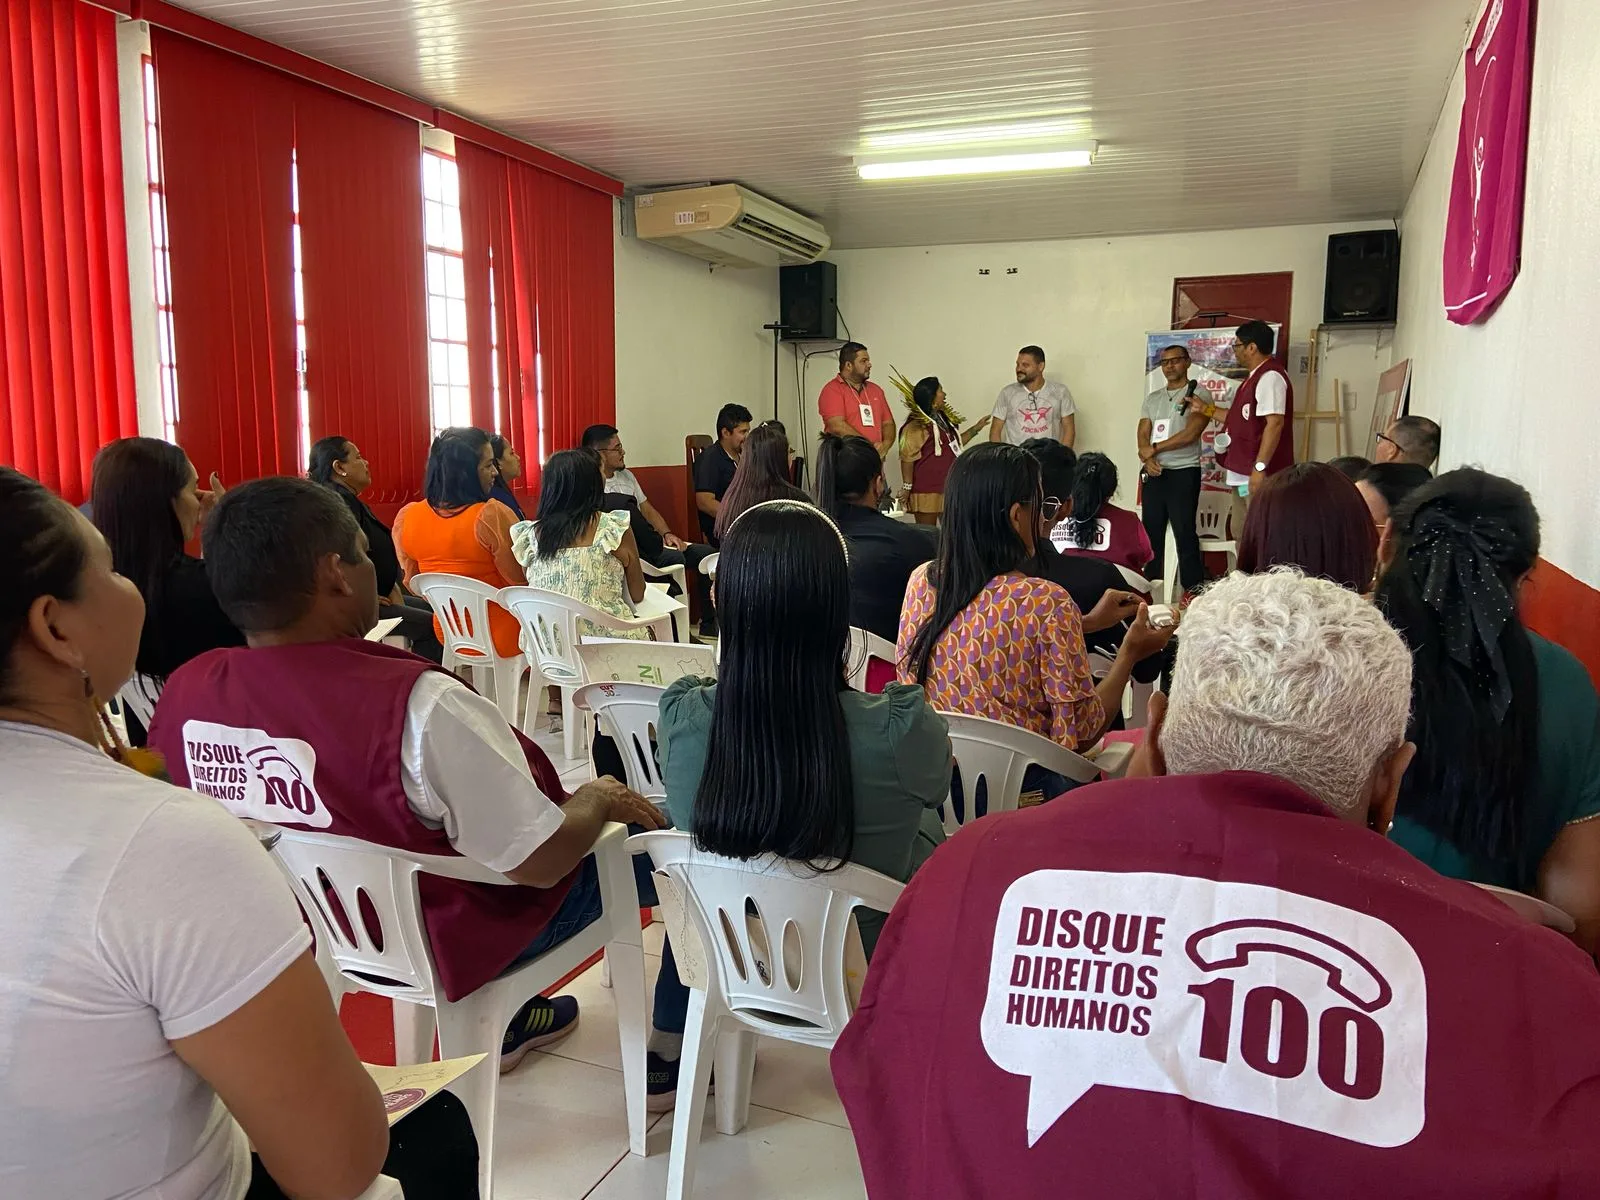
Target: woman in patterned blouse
{"x":986,"y":639}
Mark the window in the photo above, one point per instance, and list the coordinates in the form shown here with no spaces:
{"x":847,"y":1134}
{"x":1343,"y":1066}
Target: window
{"x":163,"y":257}
{"x":447,"y":292}
{"x":302,"y":394}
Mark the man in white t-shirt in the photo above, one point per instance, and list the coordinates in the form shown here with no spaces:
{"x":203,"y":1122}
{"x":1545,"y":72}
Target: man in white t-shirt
{"x":607,"y":443}
{"x":1033,"y":406}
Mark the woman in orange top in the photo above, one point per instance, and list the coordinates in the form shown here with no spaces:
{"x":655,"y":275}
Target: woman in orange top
{"x":458,"y":530}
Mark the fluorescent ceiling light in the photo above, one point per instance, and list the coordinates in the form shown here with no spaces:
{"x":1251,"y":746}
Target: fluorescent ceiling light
{"x":988,"y":164}
{"x":924,"y":139}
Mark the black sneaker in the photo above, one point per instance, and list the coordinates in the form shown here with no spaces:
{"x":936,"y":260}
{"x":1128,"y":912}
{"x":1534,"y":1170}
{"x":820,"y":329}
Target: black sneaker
{"x":661,"y":1083}
{"x":708,"y":627}
{"x":538,"y":1023}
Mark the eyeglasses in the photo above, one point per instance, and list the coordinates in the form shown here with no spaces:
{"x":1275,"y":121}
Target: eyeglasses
{"x":1049,"y":507}
{"x":1384,"y":437}
{"x":1172,"y":362}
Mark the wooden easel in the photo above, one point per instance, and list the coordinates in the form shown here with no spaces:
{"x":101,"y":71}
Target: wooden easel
{"x":1312,"y":416}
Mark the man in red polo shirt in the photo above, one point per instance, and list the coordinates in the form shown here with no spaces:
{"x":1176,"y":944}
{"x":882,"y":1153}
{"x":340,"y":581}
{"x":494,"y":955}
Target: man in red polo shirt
{"x":1218,"y":979}
{"x":852,"y":405}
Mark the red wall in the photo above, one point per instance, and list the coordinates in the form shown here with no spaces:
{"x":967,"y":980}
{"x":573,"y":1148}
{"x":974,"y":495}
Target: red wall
{"x":1565,"y":610}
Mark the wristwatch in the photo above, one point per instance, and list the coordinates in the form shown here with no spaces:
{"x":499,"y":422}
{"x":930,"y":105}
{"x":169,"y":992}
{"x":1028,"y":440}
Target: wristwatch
{"x":1261,"y":466}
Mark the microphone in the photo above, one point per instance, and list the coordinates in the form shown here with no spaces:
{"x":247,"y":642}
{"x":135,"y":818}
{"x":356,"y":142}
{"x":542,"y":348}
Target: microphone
{"x":1183,"y":405}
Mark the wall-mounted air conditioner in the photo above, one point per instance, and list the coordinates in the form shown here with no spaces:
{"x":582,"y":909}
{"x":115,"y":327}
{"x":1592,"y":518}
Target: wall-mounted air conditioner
{"x":729,"y":226}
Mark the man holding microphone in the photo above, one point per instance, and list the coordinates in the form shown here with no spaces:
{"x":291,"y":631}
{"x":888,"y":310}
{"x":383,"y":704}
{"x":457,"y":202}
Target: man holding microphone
{"x":1170,"y":425}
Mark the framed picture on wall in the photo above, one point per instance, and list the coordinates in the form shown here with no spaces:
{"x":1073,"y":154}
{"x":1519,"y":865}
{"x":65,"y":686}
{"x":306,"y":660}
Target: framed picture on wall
{"x":1394,"y":386}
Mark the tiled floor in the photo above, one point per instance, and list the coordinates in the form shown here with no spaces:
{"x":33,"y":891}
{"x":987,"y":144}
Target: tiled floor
{"x":562,"y":1135}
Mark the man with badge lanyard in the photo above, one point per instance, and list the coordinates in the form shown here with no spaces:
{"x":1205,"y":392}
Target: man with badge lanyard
{"x":851,"y":405}
{"x":1170,"y":425}
{"x":1255,"y":440}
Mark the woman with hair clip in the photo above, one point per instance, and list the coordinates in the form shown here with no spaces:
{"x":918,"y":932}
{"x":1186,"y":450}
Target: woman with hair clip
{"x":987,"y":639}
{"x":762,"y":475}
{"x":163,"y":1014}
{"x":929,"y":444}
{"x":1098,"y":527}
{"x":883,"y":551}
{"x":146,"y":502}
{"x":778,"y":755}
{"x":337,"y":463}
{"x":456,"y":529}
{"x":1505,"y":786}
{"x":507,"y":470}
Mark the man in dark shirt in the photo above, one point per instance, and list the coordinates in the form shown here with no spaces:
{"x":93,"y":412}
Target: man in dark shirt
{"x":714,"y":471}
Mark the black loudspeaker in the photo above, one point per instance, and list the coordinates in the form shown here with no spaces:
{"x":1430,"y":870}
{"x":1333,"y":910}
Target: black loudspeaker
{"x":1363,"y":285}
{"x":808,"y":301}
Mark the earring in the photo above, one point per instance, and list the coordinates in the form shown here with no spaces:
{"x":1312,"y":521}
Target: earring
{"x":1388,"y":829}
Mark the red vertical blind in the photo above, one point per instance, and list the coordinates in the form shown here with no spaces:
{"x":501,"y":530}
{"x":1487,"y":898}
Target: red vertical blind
{"x":365,"y":296}
{"x":550,"y":242}
{"x":227,"y":138}
{"x":66,"y":343}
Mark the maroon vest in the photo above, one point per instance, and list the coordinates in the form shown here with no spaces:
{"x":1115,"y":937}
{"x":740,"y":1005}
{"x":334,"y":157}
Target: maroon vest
{"x":309,"y":736}
{"x":1210,"y":986}
{"x":1244,"y":426}
{"x":929,"y":472}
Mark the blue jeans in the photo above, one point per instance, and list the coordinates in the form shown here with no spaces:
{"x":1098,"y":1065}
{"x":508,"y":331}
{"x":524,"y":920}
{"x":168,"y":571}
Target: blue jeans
{"x":581,"y":909}
{"x":1034,"y":779}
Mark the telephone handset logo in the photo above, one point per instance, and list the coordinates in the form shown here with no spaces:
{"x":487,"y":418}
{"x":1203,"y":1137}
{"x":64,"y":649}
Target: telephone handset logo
{"x":1230,"y":945}
{"x":1349,"y":1044}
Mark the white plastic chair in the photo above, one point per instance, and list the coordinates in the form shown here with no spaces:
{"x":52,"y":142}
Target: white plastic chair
{"x":383,"y":1188}
{"x":629,"y":713}
{"x":678,"y":574}
{"x":999,"y":754}
{"x":139,"y":697}
{"x":1137,"y":582}
{"x":620,"y":660}
{"x":462,"y":606}
{"x":1211,"y":523}
{"x":772,"y":959}
{"x":864,"y":647}
{"x":1135,"y":700}
{"x":708,"y":565}
{"x":550,"y":637}
{"x":398,"y":963}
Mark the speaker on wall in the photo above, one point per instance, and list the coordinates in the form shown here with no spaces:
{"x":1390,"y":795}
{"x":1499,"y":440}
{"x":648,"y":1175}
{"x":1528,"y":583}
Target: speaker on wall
{"x":808,"y":301}
{"x":1363,"y":283}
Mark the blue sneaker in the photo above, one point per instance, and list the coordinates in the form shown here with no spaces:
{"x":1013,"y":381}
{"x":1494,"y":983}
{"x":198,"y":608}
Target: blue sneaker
{"x":538,"y":1023}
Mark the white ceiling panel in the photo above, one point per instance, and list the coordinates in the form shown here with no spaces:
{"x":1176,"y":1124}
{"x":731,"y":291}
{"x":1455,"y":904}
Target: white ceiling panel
{"x":1209,"y":113}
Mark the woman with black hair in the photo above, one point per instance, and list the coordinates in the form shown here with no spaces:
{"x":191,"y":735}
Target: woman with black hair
{"x":778,"y":755}
{"x":929,"y":444}
{"x":1505,"y":786}
{"x":883,"y":551}
{"x":146,"y":501}
{"x":762,"y":475}
{"x":456,"y":529}
{"x":1098,"y":527}
{"x":987,"y":639}
{"x":576,"y":549}
{"x":336,"y":463}
{"x":507,"y":470}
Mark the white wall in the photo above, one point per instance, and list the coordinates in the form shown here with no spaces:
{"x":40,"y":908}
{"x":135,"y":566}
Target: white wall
{"x":689,"y":340}
{"x":1510,"y":392}
{"x":1089,"y":303}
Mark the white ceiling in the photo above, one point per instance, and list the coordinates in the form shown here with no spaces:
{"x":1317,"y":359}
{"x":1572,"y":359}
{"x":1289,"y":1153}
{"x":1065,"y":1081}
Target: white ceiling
{"x":1209,"y":113}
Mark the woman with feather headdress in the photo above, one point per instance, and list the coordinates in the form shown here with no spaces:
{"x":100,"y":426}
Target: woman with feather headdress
{"x":929,"y":444}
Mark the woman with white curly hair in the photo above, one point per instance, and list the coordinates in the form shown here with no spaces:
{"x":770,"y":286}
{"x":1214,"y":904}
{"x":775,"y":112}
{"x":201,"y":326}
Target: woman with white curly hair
{"x":1219,"y":977}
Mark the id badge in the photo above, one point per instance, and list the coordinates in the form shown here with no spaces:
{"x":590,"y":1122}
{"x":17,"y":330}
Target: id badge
{"x":868,"y":418}
{"x":1160,"y":431}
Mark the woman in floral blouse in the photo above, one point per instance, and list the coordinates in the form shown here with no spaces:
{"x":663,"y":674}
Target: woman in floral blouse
{"x":986,"y":639}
